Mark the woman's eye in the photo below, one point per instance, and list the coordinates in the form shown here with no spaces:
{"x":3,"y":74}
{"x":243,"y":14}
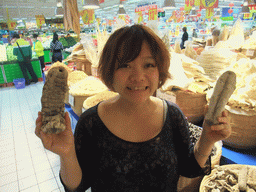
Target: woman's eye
{"x":123,"y":66}
{"x":148,"y":65}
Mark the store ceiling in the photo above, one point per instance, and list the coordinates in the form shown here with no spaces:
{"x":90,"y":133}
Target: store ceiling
{"x":27,"y":9}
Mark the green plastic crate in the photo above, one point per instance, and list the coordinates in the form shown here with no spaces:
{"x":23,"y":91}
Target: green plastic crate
{"x":1,"y":76}
{"x":47,"y":56}
{"x":12,"y":71}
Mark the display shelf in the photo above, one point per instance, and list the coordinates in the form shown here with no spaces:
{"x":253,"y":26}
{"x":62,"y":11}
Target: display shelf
{"x":11,"y":70}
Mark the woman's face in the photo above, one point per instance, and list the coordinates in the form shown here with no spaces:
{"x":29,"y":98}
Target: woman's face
{"x":137,"y":80}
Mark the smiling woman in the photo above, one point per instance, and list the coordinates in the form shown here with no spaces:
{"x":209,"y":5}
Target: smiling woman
{"x":133,"y":141}
{"x":125,"y":45}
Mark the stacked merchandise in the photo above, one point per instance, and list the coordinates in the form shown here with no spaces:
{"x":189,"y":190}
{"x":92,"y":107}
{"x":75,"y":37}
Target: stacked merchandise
{"x":230,"y":178}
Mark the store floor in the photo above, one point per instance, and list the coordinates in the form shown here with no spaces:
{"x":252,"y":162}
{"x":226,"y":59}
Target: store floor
{"x":25,"y":166}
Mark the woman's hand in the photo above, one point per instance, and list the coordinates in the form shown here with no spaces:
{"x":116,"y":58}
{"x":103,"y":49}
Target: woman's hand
{"x":62,"y":143}
{"x":218,"y":132}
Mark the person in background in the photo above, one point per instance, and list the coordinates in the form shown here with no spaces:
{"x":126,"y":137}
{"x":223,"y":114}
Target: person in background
{"x":39,"y":49}
{"x":134,"y":141}
{"x":194,"y":34}
{"x":184,"y":37}
{"x":24,"y":63}
{"x":1,"y":39}
{"x":56,"y":49}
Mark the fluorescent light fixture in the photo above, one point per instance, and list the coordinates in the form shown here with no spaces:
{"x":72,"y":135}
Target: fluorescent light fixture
{"x":169,"y":4}
{"x":121,"y":10}
{"x":59,"y":12}
{"x":245,"y":8}
{"x":91,"y":4}
{"x":193,"y":12}
{"x":217,"y":14}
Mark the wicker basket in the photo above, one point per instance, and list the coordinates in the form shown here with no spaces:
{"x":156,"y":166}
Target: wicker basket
{"x":243,"y":125}
{"x":192,"y":105}
{"x":193,"y":184}
{"x":207,"y":178}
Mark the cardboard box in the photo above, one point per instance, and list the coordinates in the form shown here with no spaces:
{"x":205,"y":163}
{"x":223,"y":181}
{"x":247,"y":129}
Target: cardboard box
{"x":76,"y":103}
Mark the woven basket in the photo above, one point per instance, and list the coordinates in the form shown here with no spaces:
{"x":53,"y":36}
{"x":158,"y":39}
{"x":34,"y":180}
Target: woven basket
{"x":207,"y":178}
{"x":192,"y":105}
{"x":243,"y":124}
{"x":192,"y":184}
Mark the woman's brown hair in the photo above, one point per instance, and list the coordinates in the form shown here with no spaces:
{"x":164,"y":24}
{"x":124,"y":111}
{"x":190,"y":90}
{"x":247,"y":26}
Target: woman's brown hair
{"x":124,"y":45}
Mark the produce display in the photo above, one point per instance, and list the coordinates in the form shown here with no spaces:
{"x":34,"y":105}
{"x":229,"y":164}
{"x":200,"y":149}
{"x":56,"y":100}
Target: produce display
{"x":53,"y":106}
{"x":9,"y":52}
{"x":225,"y":86}
{"x":233,"y":178}
{"x":3,"y":56}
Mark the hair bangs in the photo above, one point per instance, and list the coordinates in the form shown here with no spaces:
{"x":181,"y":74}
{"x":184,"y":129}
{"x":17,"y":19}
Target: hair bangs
{"x":129,"y":46}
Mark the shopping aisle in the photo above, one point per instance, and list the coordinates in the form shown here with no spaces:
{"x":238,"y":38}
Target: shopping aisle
{"x":25,"y":166}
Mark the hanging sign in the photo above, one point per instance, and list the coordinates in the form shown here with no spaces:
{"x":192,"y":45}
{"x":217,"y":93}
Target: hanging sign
{"x":11,"y":25}
{"x":152,"y":12}
{"x":206,"y":4}
{"x":40,"y":20}
{"x":209,"y":13}
{"x":190,"y":3}
{"x":88,"y":16}
{"x":248,"y":16}
{"x":138,"y":12}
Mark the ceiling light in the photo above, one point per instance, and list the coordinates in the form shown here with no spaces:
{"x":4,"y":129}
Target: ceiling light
{"x":193,"y":12}
{"x":245,"y":8}
{"x":217,"y":14}
{"x":169,"y":4}
{"x":121,"y":10}
{"x":59,"y":11}
{"x":91,"y":4}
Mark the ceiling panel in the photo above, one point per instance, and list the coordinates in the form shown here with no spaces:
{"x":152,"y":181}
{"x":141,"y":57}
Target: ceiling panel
{"x":30,"y":8}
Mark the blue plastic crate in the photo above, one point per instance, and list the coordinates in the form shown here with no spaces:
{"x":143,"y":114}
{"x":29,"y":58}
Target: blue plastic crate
{"x":19,"y":83}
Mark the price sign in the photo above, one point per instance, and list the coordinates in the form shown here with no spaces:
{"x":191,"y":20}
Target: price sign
{"x":11,"y":25}
{"x":40,"y":20}
{"x":71,"y":100}
{"x":152,"y":12}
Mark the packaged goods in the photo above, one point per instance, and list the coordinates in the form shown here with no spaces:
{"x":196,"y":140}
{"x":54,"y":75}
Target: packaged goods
{"x":94,"y":100}
{"x":224,"y":34}
{"x":244,"y":97}
{"x":177,"y":48}
{"x":236,"y":37}
{"x":232,"y":177}
{"x":190,"y":52}
{"x":71,"y":16}
{"x":214,"y":61}
{"x":53,"y":107}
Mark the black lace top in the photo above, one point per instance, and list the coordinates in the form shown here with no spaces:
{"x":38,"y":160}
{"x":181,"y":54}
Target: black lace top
{"x":111,"y":164}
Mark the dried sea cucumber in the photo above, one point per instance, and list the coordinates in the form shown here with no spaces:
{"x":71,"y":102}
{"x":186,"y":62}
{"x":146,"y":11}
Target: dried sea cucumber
{"x":53,"y":106}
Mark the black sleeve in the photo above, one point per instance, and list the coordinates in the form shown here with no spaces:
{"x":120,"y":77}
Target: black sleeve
{"x":84,"y":145}
{"x":187,"y":163}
